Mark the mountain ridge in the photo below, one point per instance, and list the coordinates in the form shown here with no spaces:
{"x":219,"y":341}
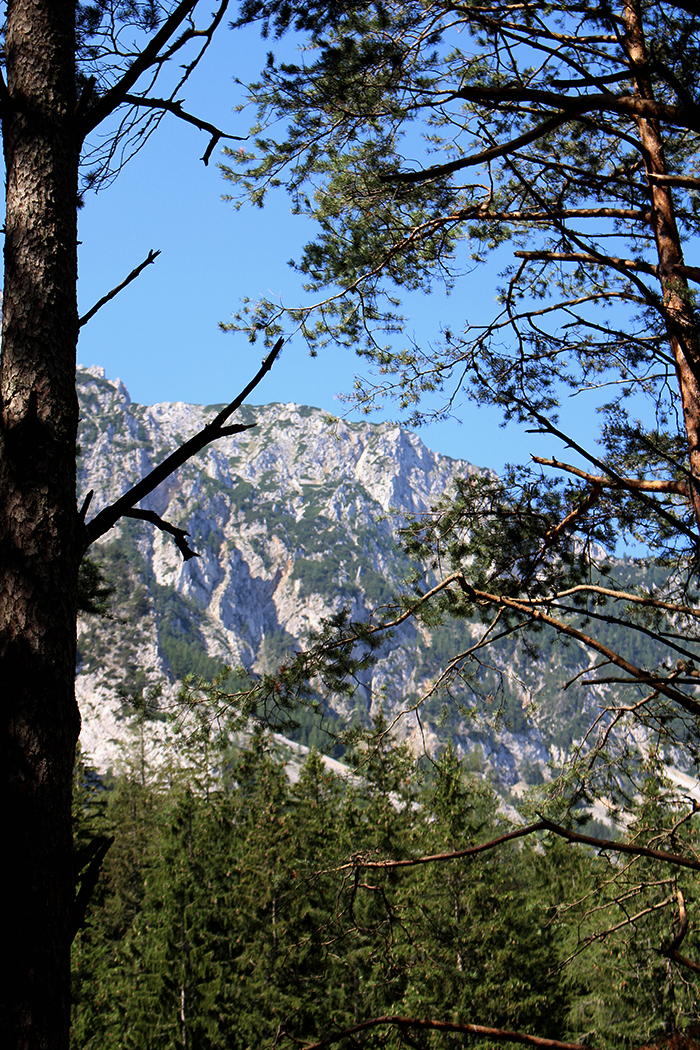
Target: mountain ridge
{"x":293,"y":521}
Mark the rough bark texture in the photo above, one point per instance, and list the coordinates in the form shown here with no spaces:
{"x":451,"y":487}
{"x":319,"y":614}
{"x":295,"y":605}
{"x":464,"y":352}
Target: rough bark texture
{"x":680,"y":316}
{"x":40,"y":533}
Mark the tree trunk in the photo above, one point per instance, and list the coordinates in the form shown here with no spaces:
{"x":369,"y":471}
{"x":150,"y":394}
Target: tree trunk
{"x":681,"y":320}
{"x":40,"y":532}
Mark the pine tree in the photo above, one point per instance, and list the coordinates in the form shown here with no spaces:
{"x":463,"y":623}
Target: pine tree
{"x":563,"y":140}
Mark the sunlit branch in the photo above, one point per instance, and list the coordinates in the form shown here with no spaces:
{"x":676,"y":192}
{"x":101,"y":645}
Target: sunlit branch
{"x":680,"y":488}
{"x":549,"y":427}
{"x":691,"y":272}
{"x":553,"y":534}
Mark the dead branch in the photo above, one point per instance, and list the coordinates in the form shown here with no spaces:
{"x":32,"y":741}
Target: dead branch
{"x":150,"y":258}
{"x":629,"y":921}
{"x":113,"y":98}
{"x":109,"y":516}
{"x":683,"y":960}
{"x":683,"y":922}
{"x":499,"y":1035}
{"x":175,"y":107}
{"x":165,"y":526}
{"x":82,"y":513}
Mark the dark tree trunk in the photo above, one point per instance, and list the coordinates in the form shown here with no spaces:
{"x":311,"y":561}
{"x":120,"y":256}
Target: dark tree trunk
{"x":40,"y":533}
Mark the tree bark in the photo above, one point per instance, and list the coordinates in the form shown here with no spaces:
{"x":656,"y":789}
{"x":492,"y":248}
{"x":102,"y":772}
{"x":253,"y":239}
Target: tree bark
{"x":681,"y":320}
{"x":40,"y":532}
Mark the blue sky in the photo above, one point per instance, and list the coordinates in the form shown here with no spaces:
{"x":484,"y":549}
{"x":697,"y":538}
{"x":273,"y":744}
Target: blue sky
{"x":161,"y":335}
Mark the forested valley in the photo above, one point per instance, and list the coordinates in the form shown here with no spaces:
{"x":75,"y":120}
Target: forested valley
{"x":240,"y":908}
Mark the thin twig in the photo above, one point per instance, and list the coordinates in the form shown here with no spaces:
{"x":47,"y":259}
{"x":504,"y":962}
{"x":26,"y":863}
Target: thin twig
{"x":165,"y":526}
{"x":150,"y":258}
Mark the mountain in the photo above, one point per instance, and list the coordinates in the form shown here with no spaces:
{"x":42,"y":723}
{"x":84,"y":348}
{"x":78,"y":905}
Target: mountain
{"x":292,"y":521}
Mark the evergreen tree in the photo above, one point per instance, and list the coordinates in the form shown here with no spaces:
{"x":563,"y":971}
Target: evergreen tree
{"x":565,"y":139}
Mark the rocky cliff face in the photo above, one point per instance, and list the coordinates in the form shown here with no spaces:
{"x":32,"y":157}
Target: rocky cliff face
{"x":292,"y":520}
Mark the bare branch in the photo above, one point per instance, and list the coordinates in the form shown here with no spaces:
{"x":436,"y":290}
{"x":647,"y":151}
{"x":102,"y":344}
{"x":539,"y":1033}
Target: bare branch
{"x":603,"y":845}
{"x":108,"y":517}
{"x":115,"y":96}
{"x":175,"y":107}
{"x":165,"y":526}
{"x":150,"y":258}
{"x":82,"y":513}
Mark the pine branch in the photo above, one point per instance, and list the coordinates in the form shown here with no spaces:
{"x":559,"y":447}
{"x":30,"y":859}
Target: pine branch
{"x":628,"y":848}
{"x":680,"y":488}
{"x":691,"y":272}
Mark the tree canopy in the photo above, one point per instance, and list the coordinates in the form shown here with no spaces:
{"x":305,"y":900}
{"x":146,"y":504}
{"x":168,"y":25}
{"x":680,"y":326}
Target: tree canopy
{"x":562,"y":140}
